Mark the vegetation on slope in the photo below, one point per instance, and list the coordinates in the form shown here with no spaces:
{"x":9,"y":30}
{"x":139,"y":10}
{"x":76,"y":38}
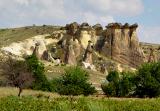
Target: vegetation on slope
{"x":144,"y":83}
{"x":8,"y":36}
{"x":30,"y":103}
{"x":74,"y":82}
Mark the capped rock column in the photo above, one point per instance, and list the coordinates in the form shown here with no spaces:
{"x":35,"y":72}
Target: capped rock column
{"x":88,"y":53}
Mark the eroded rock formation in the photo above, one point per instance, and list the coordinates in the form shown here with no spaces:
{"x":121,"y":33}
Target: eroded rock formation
{"x":88,"y":53}
{"x":69,"y":54}
{"x":152,"y":56}
{"x":121,"y":44}
{"x":118,"y":42}
{"x":36,"y":51}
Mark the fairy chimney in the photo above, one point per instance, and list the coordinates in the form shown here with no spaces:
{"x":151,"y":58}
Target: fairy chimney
{"x":88,"y":53}
{"x":36,"y":51}
{"x":152,"y":57}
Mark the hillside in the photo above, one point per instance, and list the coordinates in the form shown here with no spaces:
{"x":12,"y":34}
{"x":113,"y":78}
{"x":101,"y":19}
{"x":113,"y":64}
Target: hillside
{"x":10,"y":35}
{"x":146,"y":49}
{"x":21,"y":41}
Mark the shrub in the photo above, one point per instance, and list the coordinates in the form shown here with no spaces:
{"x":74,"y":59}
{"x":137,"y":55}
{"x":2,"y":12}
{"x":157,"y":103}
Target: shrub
{"x":127,"y":84}
{"x":113,"y":76}
{"x":119,"y":84}
{"x":74,"y":82}
{"x":109,"y":89}
{"x":37,"y":68}
{"x":148,"y":80}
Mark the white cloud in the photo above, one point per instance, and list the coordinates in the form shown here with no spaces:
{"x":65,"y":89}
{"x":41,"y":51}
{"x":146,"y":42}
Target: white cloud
{"x":27,"y":12}
{"x":91,"y":18}
{"x":149,"y":34}
{"x":117,"y":7}
{"x":23,"y":2}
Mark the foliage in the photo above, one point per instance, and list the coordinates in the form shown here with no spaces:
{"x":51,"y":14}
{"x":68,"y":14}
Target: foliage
{"x":109,"y":88}
{"x":127,"y":84}
{"x":113,"y":76}
{"x":148,"y":80}
{"x":74,"y":82}
{"x":119,"y":84}
{"x":30,"y":103}
{"x":37,"y":68}
{"x":16,"y":73}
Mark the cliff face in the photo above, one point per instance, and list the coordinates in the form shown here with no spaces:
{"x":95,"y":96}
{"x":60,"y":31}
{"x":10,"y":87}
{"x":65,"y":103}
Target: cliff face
{"x":118,"y":42}
{"x":78,"y":43}
{"x":121,"y":44}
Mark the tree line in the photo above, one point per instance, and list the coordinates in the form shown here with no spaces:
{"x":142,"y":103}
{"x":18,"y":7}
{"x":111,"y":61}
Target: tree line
{"x":30,"y":73}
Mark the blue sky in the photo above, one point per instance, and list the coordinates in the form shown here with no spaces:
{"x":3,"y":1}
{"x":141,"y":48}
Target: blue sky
{"x":17,"y":13}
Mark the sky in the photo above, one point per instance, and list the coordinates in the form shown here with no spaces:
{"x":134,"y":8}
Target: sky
{"x":17,"y":13}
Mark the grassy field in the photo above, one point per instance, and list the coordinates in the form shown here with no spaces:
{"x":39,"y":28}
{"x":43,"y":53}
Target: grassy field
{"x":43,"y":101}
{"x":8,"y":36}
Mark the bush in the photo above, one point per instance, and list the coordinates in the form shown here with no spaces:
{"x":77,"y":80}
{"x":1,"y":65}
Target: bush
{"x":127,"y":84}
{"x":119,"y":84}
{"x":37,"y":68}
{"x":113,"y":76}
{"x":73,"y":82}
{"x":109,"y":89}
{"x":148,"y":80}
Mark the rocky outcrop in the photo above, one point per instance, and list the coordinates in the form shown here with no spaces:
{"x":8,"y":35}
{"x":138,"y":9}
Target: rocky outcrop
{"x":86,"y":33}
{"x":121,"y":44}
{"x":99,"y":29}
{"x":47,"y":56}
{"x":152,"y":56}
{"x":36,"y":51}
{"x":88,"y":53}
{"x":26,"y":47}
{"x":118,"y":42}
{"x":69,"y":54}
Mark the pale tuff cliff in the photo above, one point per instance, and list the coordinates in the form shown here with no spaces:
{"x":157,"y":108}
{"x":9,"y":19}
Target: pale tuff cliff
{"x":84,"y":44}
{"x":118,"y":42}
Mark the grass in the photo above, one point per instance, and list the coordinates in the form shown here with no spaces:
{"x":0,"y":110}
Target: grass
{"x":44,"y":101}
{"x":10,"y":91}
{"x":30,"y":103}
{"x":8,"y":36}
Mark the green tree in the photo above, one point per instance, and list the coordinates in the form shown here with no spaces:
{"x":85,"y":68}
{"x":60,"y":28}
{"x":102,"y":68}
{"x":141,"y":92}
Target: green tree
{"x":119,"y":84}
{"x":127,"y":84}
{"x":111,"y":87}
{"x":37,"y":68}
{"x":148,"y":80}
{"x":74,"y":82}
{"x":16,"y":73}
{"x":113,"y":76}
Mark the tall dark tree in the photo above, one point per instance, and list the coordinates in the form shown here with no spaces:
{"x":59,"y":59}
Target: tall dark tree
{"x":16,"y":73}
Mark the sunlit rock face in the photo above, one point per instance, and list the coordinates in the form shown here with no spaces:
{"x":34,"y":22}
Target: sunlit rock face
{"x":121,"y":44}
{"x":86,"y":33}
{"x":152,"y":56}
{"x":118,"y":42}
{"x":88,"y":53}
{"x":26,"y":47}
